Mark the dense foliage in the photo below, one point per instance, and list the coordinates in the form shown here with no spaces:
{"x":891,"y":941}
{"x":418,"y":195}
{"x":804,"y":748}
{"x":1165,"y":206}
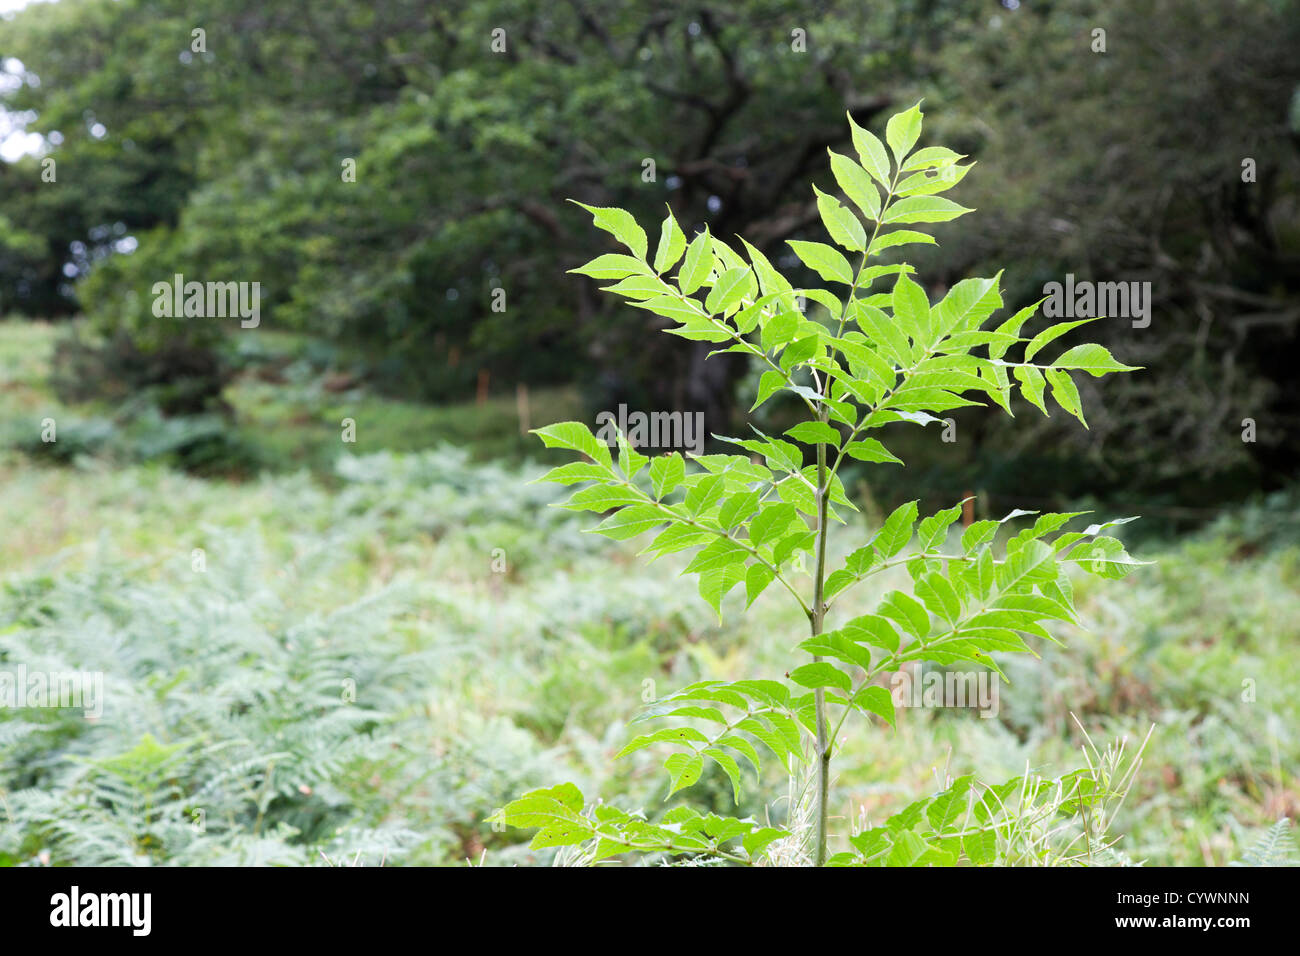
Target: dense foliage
{"x":492,"y":678}
{"x":1118,"y":165}
{"x":361,"y":652}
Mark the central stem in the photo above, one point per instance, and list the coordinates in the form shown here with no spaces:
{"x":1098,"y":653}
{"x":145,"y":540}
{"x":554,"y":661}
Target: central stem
{"x":816,"y":619}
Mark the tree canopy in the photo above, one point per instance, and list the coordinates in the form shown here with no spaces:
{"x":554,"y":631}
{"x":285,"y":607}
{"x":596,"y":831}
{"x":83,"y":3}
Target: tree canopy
{"x":394,"y":175}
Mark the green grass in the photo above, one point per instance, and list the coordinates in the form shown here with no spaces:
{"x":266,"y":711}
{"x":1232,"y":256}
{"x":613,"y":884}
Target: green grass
{"x":288,"y":409}
{"x":303,"y":425}
{"x":379,"y":564}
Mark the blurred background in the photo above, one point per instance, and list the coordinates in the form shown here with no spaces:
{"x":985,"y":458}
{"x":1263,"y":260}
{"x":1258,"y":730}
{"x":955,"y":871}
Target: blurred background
{"x":394,"y":176}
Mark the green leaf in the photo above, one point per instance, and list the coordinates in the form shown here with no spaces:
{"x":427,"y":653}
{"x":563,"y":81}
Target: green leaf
{"x":872,"y":153}
{"x":698,"y":264}
{"x":934,"y":530}
{"x":611,"y":266}
{"x":856,"y":183}
{"x":666,"y":473}
{"x":907,"y":611}
{"x":729,"y":766}
{"x":705,"y":493}
{"x":1106,"y":558}
{"x":908,"y":850}
{"x":983,"y":574}
{"x":630,"y":522}
{"x":669,"y":709}
{"x":882,"y":330}
{"x":562,"y":834}
{"x":770,"y":281}
{"x":758,"y":840}
{"x":730,"y":288}
{"x":578,"y":437}
{"x":574,"y":472}
{"x":899,"y":237}
{"x":785,"y":727}
{"x":1012,"y":327}
{"x":827,"y":261}
{"x":672,"y":243}
{"x":757,"y":578}
{"x":867,"y":363}
{"x":939,"y":597}
{"x":868,"y":449}
{"x":897,"y":530}
{"x":1065,"y":393}
{"x":839,"y":646}
{"x":720,"y":553}
{"x":801,"y":350}
{"x":620,"y":224}
{"x":912,"y":309}
{"x":814,"y":433}
{"x":676,"y":309}
{"x":1093,"y":359}
{"x":771,"y":522}
{"x":630,"y":460}
{"x":769,"y":384}
{"x":872,"y":844}
{"x":873,"y":629}
{"x":902,"y":131}
{"x":715,"y":584}
{"x":930,"y":157}
{"x":932,"y":181}
{"x":949,"y":807}
{"x":602,"y":498}
{"x":977,"y":534}
{"x":820,"y":674}
{"x":1035,"y":563}
{"x":727,"y":257}
{"x":719,"y":691}
{"x":967,"y":305}
{"x":685,"y":770}
{"x":640,"y":287}
{"x":924,"y":209}
{"x":830,"y":303}
{"x":542,"y":807}
{"x":678,"y":537}
{"x":1031,"y":385}
{"x":779,"y":330}
{"x":877,"y":700}
{"x":844,"y":227}
{"x":1050,"y":333}
{"x":798,"y":540}
{"x":764,"y":734}
{"x":737,"y":508}
{"x":981,"y":847}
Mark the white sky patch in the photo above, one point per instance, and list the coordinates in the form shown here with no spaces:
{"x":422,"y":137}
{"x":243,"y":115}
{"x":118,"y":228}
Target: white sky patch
{"x":13,"y":6}
{"x":19,"y":144}
{"x":15,"y":141}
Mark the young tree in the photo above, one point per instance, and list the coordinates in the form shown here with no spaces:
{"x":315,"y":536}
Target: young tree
{"x":869,"y":359}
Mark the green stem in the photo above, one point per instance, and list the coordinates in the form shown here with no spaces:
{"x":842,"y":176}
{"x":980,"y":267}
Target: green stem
{"x":817,"y":620}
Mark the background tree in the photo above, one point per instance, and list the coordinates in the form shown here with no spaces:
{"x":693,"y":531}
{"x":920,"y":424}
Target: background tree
{"x":468,"y":128}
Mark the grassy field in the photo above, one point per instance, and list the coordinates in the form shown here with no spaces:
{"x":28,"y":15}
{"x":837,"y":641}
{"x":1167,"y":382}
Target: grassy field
{"x":356,"y":656}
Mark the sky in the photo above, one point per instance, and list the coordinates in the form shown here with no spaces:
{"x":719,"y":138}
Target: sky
{"x":14,"y":143}
{"x":8,"y":5}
